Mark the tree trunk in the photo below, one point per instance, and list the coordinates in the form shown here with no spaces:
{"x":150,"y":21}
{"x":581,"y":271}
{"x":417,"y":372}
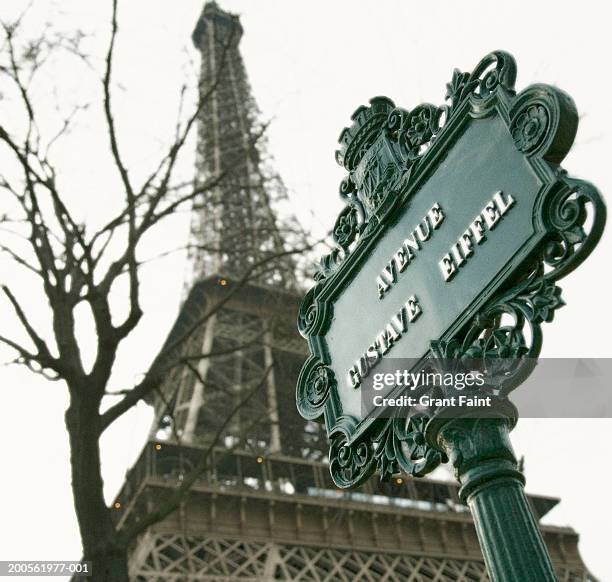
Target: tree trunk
{"x":107,"y":567}
{"x":102,"y":544}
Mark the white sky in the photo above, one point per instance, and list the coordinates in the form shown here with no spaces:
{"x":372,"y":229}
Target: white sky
{"x":311,"y":64}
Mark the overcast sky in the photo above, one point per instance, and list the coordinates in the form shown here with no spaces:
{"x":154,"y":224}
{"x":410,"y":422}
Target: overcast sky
{"x":310,"y":65}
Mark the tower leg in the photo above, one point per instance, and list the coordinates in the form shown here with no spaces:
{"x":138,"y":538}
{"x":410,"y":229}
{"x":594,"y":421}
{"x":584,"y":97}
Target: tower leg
{"x":197,"y":398}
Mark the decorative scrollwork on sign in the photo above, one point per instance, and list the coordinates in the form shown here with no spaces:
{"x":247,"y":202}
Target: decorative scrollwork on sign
{"x":566,"y":212}
{"x":315,"y":383}
{"x":350,"y":465}
{"x":314,"y":315}
{"x":505,"y":338}
{"x":461,"y":84}
{"x":497,"y":69}
{"x":399,"y":447}
{"x":402,"y":447}
{"x":307,"y":315}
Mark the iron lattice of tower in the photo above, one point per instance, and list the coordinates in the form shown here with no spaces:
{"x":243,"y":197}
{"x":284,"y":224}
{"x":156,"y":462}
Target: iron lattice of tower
{"x":265,"y":507}
{"x":234,"y":226}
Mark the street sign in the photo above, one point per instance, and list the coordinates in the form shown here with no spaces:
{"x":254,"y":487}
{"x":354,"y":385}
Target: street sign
{"x":458,"y":223}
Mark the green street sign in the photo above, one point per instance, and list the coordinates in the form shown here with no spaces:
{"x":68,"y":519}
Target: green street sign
{"x":458,"y":223}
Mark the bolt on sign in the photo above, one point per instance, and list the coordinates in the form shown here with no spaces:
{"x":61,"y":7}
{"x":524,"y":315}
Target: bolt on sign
{"x":458,"y":223}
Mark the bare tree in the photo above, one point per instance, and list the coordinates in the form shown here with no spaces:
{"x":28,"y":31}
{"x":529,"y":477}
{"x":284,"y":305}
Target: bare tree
{"x":76,"y":265}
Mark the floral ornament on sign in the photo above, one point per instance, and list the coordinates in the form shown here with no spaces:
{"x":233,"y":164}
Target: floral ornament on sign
{"x":530,"y":127}
{"x":546,"y":302}
{"x":458,"y":86}
{"x":402,"y":447}
{"x":319,"y":382}
{"x":504,"y":342}
{"x":346,"y":227}
{"x":419,"y":130}
{"x":416,"y":457}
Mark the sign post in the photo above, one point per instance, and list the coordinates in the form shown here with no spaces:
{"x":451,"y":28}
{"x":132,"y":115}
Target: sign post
{"x":458,"y":223}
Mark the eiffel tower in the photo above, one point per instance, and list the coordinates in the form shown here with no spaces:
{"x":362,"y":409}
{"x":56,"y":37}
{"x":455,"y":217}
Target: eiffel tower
{"x":265,"y":507}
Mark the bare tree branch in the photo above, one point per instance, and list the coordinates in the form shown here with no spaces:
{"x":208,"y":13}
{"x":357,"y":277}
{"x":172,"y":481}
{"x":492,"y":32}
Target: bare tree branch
{"x":110,"y":122}
{"x":154,"y":377}
{"x":43,"y":355}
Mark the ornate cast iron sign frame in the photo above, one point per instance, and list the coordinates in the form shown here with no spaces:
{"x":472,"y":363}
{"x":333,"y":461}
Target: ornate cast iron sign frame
{"x":396,"y":160}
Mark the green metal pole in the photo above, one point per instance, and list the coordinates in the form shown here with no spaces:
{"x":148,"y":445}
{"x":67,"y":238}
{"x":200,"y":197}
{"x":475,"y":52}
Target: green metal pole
{"x":492,"y":486}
